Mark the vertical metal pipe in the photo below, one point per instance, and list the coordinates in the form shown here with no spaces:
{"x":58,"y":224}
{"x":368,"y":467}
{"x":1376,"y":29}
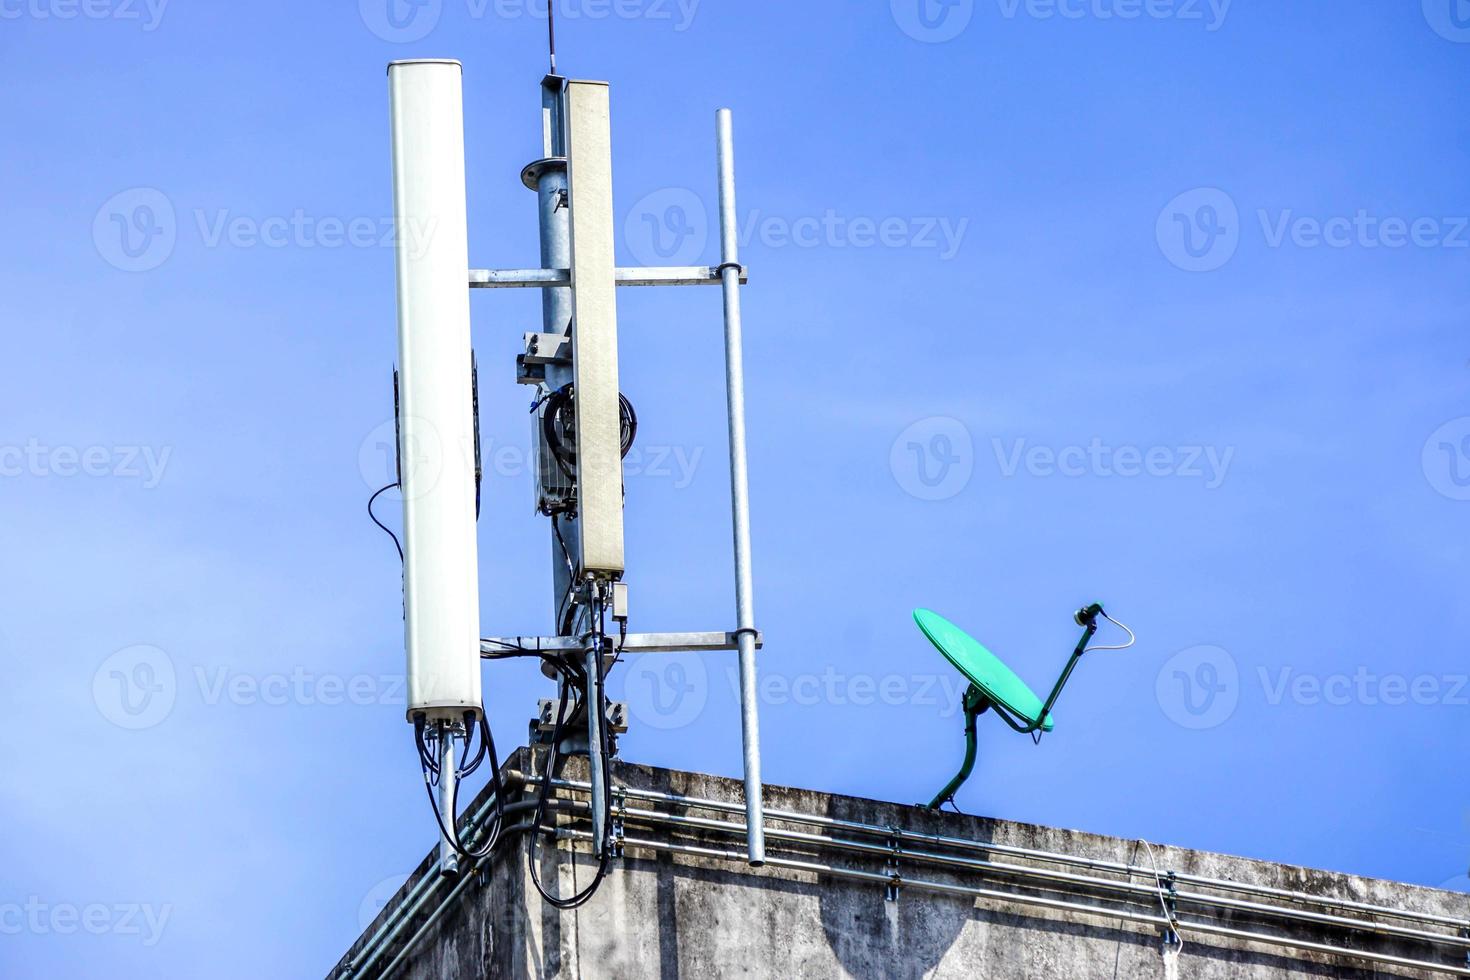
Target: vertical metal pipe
{"x":556,"y":301}
{"x":739,"y":490}
{"x":594,"y":739}
{"x":556,"y":249}
{"x":556,"y":317}
{"x":448,"y":856}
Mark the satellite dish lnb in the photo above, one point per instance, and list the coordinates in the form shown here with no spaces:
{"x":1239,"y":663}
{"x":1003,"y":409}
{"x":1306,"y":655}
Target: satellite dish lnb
{"x":994,"y":685}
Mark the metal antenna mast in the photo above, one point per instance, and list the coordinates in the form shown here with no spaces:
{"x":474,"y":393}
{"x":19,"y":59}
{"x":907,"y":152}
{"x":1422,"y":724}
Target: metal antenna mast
{"x":572,"y":343}
{"x":582,"y":427}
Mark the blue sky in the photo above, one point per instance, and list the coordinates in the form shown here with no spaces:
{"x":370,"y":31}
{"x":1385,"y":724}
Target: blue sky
{"x":1156,"y":303}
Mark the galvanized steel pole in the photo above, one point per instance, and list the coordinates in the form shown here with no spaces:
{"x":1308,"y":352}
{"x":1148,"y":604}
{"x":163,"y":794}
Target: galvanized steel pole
{"x":596,"y":764}
{"x":739,"y":491}
{"x":448,"y":854}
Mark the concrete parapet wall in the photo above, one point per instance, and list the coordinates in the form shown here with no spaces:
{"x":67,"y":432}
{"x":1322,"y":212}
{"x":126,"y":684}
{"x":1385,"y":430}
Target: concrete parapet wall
{"x":684,"y":904}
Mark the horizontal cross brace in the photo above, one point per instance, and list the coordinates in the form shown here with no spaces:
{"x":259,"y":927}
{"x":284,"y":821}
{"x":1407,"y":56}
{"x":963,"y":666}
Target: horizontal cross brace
{"x":635,"y":643}
{"x":657,"y":275}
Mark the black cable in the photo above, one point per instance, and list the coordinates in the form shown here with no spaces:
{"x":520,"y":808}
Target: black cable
{"x":602,"y":667}
{"x":426,"y":760}
{"x":426,"y":754}
{"x":627,"y":424}
{"x":550,"y":414}
{"x":552,"y":758}
{"x":511,"y":650}
{"x":564,"y":607}
{"x":544,"y":795}
{"x":511,"y":653}
{"x":622,"y":642}
{"x":465,"y":765}
{"x":380,"y":524}
{"x":565,"y":552}
{"x":475,"y":415}
{"x":497,"y":789}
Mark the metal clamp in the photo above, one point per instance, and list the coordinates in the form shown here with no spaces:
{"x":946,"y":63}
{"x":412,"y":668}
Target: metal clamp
{"x":895,"y":878}
{"x":1172,"y":939}
{"x":619,"y":803}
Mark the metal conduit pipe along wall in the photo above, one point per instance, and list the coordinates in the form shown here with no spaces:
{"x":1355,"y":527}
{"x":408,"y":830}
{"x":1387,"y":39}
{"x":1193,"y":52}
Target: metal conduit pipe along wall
{"x":887,"y":878}
{"x":511,"y":832}
{"x":1130,"y":870}
{"x":382,"y":942}
{"x":1148,"y":892}
{"x":430,"y":881}
{"x":1145,"y":892}
{"x":1129,"y":915}
{"x":413,"y":903}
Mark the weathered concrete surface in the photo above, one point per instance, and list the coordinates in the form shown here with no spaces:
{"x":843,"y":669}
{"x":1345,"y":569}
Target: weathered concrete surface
{"x":669,"y":916}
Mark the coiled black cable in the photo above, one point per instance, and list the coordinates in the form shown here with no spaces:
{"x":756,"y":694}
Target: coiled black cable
{"x":563,"y":400}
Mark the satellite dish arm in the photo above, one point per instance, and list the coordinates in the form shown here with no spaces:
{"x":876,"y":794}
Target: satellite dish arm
{"x":1087,"y":619}
{"x":975,"y":704}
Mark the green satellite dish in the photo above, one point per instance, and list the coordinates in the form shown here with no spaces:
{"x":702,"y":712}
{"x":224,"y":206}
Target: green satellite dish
{"x":983,"y":669}
{"x":993,"y":685}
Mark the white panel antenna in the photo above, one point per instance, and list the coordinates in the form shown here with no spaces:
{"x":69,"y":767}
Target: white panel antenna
{"x":436,"y":428}
{"x":582,"y":427}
